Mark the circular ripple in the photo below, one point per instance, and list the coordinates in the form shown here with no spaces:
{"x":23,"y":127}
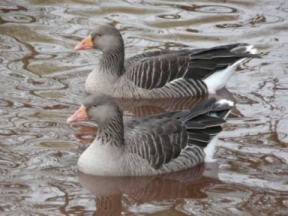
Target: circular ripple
{"x":18,"y":18}
{"x":78,"y":20}
{"x":45,"y":159}
{"x":47,"y":48}
{"x":40,"y":84}
{"x":39,"y":124}
{"x":209,"y":9}
{"x":170,"y":16}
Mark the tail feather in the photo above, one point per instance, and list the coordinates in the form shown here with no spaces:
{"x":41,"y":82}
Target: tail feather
{"x":240,"y":50}
{"x":235,"y":53}
{"x":202,"y":122}
{"x":246,"y":50}
{"x":205,"y":120}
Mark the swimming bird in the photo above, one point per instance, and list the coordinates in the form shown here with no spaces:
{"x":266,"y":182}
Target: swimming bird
{"x":163,"y":143}
{"x":159,"y":74}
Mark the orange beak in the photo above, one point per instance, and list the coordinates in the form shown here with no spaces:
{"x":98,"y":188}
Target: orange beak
{"x":79,"y":115}
{"x":86,"y":43}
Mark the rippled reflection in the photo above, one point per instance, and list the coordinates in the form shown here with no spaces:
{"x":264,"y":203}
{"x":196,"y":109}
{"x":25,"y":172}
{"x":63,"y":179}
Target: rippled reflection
{"x":144,"y":191}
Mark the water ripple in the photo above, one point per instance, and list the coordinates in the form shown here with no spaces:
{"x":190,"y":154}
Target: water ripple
{"x":17,"y":18}
{"x":257,"y":20}
{"x":170,"y":16}
{"x":39,"y":124}
{"x":210,"y":9}
{"x":8,"y":6}
{"x":9,"y":160}
{"x":40,"y":84}
{"x":42,"y":80}
{"x":10,"y":45}
{"x":5,"y":103}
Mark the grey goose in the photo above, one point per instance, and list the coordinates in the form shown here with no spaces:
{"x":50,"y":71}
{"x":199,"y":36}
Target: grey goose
{"x":159,"y":74}
{"x":163,"y":143}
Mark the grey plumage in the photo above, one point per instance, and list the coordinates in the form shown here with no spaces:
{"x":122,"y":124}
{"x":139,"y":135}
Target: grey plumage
{"x":158,"y":68}
{"x":152,"y":145}
{"x":159,"y":74}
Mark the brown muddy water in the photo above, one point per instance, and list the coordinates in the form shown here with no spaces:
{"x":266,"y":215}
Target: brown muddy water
{"x":42,"y":81}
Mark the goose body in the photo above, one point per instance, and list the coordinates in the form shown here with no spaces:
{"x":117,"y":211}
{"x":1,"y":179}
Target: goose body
{"x":159,"y":74}
{"x":152,"y":145}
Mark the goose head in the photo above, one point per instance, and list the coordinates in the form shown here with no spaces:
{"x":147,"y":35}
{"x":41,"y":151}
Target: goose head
{"x":103,"y":37}
{"x":97,"y":108}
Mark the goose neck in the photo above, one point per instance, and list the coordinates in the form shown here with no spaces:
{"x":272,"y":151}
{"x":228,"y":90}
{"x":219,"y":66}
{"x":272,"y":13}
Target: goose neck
{"x":111,"y":132}
{"x":112,"y":61}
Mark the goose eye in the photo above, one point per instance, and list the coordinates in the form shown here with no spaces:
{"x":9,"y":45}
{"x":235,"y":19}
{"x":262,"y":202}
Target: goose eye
{"x":97,"y":35}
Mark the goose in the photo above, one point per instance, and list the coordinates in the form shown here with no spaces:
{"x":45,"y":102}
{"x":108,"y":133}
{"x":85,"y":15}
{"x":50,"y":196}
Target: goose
{"x":159,"y":74}
{"x":163,"y":143}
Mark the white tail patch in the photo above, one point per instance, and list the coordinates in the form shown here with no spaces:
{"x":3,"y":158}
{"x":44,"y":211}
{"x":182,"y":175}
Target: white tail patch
{"x":225,"y":101}
{"x":251,"y":49}
{"x":219,"y":79}
{"x":210,"y":150}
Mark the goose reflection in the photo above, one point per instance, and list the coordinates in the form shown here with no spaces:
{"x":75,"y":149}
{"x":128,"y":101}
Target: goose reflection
{"x":146,"y":107}
{"x":112,"y":193}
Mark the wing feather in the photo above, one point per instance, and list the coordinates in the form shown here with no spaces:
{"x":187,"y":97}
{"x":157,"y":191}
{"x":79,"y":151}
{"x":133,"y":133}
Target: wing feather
{"x":155,"y":69}
{"x":158,"y":141}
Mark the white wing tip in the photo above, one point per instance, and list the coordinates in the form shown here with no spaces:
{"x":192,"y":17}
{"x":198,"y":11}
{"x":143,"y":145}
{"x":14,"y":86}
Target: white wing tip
{"x":251,"y":49}
{"x":210,"y":150}
{"x":225,"y":101}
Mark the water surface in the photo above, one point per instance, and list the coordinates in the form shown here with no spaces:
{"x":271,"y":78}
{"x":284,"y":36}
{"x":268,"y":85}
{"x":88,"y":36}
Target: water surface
{"x":42,"y":81}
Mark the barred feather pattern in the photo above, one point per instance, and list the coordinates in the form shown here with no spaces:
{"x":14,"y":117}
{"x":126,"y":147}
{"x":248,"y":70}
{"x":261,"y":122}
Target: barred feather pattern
{"x":112,"y":62}
{"x":189,"y":157}
{"x":112,"y":131}
{"x":178,"y":88}
{"x":156,"y":145}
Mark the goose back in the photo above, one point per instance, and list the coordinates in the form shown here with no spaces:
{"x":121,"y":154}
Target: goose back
{"x":156,"y":69}
{"x":175,"y":141}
